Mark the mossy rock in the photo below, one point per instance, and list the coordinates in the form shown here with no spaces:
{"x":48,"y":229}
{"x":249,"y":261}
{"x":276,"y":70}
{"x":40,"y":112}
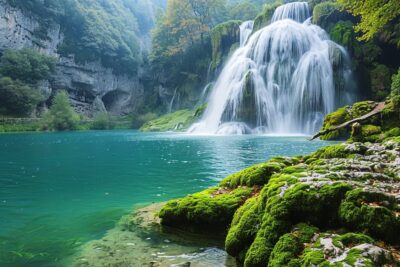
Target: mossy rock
{"x":255,"y":175}
{"x":345,"y":189}
{"x":282,"y":211}
{"x":212,"y":209}
{"x":223,"y":37}
{"x":345,"y":250}
{"x":371,"y":212}
{"x":176,"y":121}
{"x":265,"y":17}
{"x":348,"y":113}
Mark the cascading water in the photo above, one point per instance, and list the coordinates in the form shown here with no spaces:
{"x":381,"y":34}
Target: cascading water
{"x":284,"y":79}
{"x":245,"y":31}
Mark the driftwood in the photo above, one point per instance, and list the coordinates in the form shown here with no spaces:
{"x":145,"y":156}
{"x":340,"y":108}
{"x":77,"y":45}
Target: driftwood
{"x":377,"y":110}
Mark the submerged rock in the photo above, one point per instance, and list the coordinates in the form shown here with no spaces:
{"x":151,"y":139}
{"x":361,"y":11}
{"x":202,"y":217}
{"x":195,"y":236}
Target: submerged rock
{"x":137,"y":240}
{"x":351,"y":191}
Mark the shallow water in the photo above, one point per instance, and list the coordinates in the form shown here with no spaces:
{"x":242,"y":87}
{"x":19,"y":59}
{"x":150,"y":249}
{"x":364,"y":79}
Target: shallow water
{"x":59,"y":190}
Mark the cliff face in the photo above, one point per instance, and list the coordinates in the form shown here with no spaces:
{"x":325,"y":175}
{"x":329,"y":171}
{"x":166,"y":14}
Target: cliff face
{"x":91,"y":86}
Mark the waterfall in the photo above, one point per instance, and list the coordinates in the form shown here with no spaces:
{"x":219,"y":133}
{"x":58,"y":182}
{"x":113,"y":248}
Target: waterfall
{"x":245,"y":31}
{"x":284,"y":79}
{"x":171,"y":104}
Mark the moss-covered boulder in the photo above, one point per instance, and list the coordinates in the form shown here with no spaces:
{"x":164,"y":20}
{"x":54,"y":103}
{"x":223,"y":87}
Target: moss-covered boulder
{"x":225,"y":37}
{"x":212,"y":209}
{"x":373,"y":129}
{"x":273,"y":211}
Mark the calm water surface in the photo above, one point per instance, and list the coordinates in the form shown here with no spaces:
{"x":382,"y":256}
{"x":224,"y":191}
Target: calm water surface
{"x":59,"y":190}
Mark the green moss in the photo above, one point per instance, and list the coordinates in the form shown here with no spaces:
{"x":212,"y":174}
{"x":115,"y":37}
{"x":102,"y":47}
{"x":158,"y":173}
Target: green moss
{"x":323,"y":10}
{"x":372,"y":213}
{"x":305,"y":232}
{"x":354,"y":254}
{"x":264,"y":18}
{"x":343,"y":115}
{"x":352,"y":239}
{"x":392,"y":132}
{"x":213,"y":208}
{"x":361,"y":108}
{"x":312,"y":257}
{"x":223,"y":37}
{"x":335,"y":151}
{"x":298,"y":204}
{"x":285,"y":251}
{"x":244,"y":227}
{"x":333,"y":119}
{"x":255,"y":175}
{"x":178,"y":120}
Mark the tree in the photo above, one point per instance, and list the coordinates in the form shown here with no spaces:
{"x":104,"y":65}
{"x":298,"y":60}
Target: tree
{"x":61,"y":117}
{"x":243,"y":11}
{"x":26,"y":65}
{"x":375,"y":14}
{"x":17,"y":98}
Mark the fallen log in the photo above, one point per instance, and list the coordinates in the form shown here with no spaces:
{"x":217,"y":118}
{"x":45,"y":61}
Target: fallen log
{"x":377,"y":110}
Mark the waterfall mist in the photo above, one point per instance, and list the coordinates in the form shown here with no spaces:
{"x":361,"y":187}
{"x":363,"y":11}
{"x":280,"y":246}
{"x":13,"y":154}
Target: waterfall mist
{"x":283,"y":79}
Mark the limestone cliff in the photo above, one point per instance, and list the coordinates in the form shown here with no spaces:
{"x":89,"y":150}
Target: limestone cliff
{"x":91,"y":86}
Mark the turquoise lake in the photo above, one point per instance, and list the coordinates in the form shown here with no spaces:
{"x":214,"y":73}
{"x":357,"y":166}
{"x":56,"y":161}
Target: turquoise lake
{"x":60,"y":190}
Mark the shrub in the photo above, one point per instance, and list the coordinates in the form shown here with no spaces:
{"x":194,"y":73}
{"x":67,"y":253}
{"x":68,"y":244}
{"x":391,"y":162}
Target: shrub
{"x":17,"y":98}
{"x":61,"y":117}
{"x":103,"y":121}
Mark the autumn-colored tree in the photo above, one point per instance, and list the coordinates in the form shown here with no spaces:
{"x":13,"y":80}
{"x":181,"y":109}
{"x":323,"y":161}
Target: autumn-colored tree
{"x":375,"y":14}
{"x":185,"y":23}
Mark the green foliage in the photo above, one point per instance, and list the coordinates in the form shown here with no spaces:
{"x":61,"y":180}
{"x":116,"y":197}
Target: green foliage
{"x":343,"y":34}
{"x":17,"y":98}
{"x":380,"y":81}
{"x":322,"y":10}
{"x":186,"y":22}
{"x":243,"y":11}
{"x":103,"y":121}
{"x":264,"y":18}
{"x":26,"y":65}
{"x":61,"y":116}
{"x":14,"y":126}
{"x":395,"y":88}
{"x":375,"y":14}
{"x":102,"y":29}
{"x":95,"y":29}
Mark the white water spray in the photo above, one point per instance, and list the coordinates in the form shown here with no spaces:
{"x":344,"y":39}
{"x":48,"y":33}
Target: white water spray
{"x":284,"y":79}
{"x":245,"y":31}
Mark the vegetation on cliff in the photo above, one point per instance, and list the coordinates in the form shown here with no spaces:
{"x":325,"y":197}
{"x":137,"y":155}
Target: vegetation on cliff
{"x":20,"y":74}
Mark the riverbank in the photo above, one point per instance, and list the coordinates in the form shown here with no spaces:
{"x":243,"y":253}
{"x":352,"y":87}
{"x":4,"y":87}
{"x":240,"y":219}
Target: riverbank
{"x":339,"y":205}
